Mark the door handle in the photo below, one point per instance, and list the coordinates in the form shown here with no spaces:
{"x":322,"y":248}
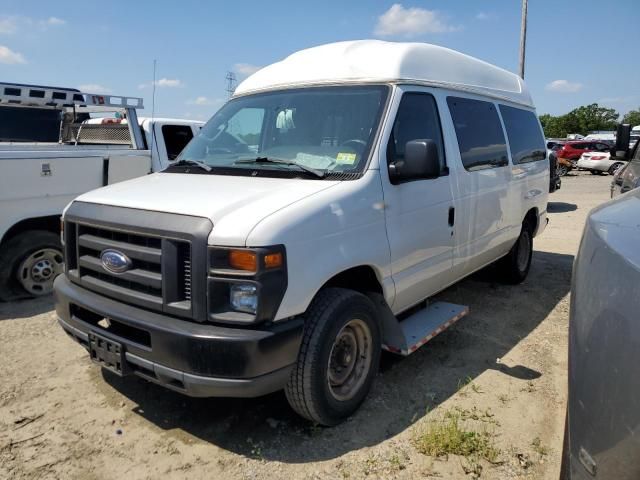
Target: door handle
{"x":452,"y":216}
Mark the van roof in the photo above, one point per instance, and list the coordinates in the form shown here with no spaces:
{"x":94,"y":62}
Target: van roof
{"x":378,"y":61}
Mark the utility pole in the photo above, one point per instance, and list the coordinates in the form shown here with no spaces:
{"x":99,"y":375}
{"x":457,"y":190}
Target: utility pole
{"x":231,"y":83}
{"x":523,"y":37}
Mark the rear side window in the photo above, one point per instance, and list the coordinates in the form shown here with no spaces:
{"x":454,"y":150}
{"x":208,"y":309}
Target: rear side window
{"x":417,"y":119}
{"x":480,"y":136}
{"x":176,"y":138}
{"x":523,"y":131}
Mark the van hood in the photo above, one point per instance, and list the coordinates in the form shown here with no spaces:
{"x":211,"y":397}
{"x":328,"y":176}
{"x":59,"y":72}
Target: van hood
{"x":234,"y":204}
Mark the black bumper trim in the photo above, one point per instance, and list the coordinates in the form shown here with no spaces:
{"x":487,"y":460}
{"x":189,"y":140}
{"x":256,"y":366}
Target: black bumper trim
{"x":193,"y":358}
{"x":195,"y":385}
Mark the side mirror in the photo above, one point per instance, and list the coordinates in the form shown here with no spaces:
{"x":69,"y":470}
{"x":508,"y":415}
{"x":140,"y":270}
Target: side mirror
{"x":421,"y":160}
{"x":623,"y":137}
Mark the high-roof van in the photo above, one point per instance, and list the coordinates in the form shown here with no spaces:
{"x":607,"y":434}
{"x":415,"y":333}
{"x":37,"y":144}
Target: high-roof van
{"x":308,"y":225}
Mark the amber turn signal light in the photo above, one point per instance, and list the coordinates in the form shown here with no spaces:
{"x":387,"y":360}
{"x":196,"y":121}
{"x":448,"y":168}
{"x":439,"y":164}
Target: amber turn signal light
{"x":273,"y":260}
{"x":243,"y":260}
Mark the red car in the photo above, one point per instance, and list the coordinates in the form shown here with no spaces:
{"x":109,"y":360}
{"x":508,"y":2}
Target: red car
{"x":574,"y":149}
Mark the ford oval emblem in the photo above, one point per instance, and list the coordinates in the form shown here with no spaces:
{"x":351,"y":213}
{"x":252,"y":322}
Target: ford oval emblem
{"x":115,"y":261}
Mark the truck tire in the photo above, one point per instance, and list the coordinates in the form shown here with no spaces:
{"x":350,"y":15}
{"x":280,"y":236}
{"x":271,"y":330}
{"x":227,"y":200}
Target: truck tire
{"x":514,"y":267}
{"x":338,"y":357}
{"x":29,"y":262}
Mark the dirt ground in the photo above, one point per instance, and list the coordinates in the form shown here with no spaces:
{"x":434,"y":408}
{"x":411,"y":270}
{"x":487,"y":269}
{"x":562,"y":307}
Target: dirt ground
{"x":502,"y":369}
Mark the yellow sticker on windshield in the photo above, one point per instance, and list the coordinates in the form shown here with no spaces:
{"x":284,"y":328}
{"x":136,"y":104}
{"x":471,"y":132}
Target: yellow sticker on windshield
{"x":346,"y":158}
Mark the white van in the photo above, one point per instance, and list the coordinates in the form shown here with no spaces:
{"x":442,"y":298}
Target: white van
{"x":306,"y":225}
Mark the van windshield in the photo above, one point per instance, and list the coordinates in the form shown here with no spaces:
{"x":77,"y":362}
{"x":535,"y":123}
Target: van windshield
{"x":321,"y":129}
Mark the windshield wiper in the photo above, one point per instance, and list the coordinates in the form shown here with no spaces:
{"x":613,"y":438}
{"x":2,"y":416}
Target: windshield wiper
{"x":280,"y":161}
{"x":184,"y":161}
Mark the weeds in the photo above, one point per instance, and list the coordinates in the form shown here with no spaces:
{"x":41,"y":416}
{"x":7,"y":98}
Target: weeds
{"x":538,"y":447}
{"x":478,"y":415}
{"x":471,"y":384}
{"x":448,"y":436}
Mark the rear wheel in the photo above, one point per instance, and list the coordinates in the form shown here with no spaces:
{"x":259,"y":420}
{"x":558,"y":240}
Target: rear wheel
{"x":338,"y":358}
{"x":514,"y":267}
{"x":29,"y":263}
{"x":562,"y":170}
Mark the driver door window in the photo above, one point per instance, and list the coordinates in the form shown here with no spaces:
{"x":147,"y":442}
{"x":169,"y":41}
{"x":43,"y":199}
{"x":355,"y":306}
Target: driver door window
{"x":417,"y":119}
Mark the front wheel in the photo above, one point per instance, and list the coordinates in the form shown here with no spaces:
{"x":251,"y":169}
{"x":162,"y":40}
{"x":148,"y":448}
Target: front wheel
{"x":562,"y":170}
{"x":29,"y":263}
{"x":338,"y":357}
{"x":516,"y":264}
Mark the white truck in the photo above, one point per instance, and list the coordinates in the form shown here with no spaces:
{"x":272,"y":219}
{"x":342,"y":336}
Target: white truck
{"x":51,"y":150}
{"x":308,"y":225}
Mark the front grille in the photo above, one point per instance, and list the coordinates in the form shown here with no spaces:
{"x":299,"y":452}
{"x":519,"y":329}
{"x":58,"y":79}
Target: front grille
{"x":158,"y":278}
{"x":168,"y":253}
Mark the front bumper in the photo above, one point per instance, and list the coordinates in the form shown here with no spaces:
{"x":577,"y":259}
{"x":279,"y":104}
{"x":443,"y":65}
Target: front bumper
{"x":199,"y":360}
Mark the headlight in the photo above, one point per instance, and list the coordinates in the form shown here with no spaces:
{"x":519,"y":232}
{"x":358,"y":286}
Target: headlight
{"x":244,"y":297}
{"x":246,"y":285}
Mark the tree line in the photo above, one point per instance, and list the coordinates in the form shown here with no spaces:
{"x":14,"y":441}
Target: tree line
{"x":585,"y":119}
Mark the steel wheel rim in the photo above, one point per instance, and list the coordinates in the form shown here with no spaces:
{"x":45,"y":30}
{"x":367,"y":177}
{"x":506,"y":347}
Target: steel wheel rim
{"x":349,"y":360}
{"x":37,"y":272}
{"x":562,"y":170}
{"x":524,"y":245}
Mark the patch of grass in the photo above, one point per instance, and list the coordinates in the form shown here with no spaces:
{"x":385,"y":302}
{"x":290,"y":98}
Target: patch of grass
{"x":370,"y":465}
{"x":448,"y":436}
{"x":396,"y":463}
{"x":538,"y":447}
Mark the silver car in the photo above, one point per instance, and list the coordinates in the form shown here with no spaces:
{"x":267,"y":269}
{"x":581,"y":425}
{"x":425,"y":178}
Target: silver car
{"x":602,"y":438}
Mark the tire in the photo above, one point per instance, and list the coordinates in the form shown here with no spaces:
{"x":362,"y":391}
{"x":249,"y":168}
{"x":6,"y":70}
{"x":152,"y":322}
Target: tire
{"x":596,"y":172}
{"x":514,"y":267}
{"x":347,"y":321}
{"x":614,"y":168}
{"x":562,"y":170}
{"x":29,"y":262}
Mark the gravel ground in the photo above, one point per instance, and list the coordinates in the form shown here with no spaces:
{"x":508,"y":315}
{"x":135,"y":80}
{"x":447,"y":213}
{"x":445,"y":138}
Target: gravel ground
{"x":502,"y":369}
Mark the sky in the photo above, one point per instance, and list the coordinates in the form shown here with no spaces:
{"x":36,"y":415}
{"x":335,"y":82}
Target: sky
{"x":578,"y":52}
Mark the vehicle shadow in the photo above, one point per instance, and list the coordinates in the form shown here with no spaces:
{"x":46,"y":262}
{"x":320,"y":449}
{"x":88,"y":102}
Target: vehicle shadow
{"x":561,"y":207}
{"x":500,"y":316}
{"x":25,"y":308}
